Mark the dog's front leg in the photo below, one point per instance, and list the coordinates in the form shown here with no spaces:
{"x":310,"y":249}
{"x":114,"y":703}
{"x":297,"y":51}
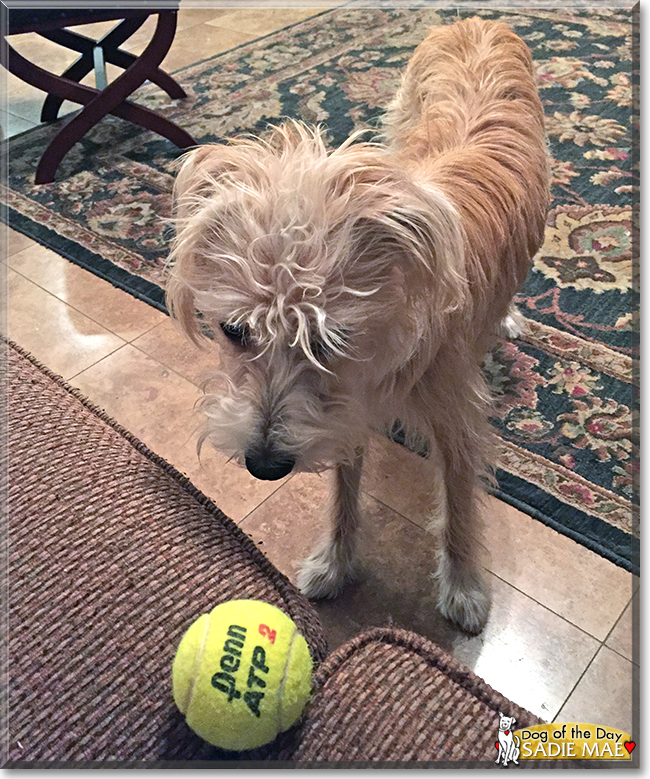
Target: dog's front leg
{"x":331,"y":565}
{"x":462,"y":597}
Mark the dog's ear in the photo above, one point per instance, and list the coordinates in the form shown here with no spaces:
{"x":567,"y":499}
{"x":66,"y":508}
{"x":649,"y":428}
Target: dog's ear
{"x":198,"y":170}
{"x":418,"y":235}
{"x":196,"y":181}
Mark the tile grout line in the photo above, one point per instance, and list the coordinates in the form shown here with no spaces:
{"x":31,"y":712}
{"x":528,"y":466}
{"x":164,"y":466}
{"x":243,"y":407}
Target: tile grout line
{"x":78,"y":310}
{"x":505,"y":581}
{"x":149,"y":329}
{"x":262,"y":502}
{"x":623,"y":657}
{"x":602,"y":646}
{"x":539,"y":603}
{"x":164,"y":365}
{"x":589,"y":664}
{"x":70,"y":378}
{"x":22,"y":118}
{"x":9,"y":254}
{"x":575,"y":686}
{"x":620,"y":617}
{"x":126,"y":341}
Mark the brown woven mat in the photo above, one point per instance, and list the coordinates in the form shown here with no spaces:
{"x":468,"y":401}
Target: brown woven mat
{"x":112,"y":554}
{"x":390,"y":696}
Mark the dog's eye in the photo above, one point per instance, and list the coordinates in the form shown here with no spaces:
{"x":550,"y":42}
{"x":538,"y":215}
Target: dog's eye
{"x":321,"y":351}
{"x":238,"y":334}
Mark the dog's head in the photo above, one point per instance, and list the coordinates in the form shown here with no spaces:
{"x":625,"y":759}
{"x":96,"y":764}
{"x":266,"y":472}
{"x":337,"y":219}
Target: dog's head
{"x":326,"y":276}
{"x":505,"y":722}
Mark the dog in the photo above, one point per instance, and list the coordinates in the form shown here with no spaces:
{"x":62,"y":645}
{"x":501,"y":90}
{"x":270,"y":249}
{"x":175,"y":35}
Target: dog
{"x":508,"y":743}
{"x":355,"y":289}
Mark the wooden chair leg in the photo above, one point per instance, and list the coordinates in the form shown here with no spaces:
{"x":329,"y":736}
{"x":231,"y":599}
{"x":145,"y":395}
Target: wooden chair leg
{"x":124,"y":59}
{"x":79,"y":68}
{"x":79,"y":93}
{"x":98,"y":104}
{"x":84,"y":64}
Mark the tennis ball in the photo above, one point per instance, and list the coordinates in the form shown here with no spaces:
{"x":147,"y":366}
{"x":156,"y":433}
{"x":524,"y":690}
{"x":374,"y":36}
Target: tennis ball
{"x":242,"y":674}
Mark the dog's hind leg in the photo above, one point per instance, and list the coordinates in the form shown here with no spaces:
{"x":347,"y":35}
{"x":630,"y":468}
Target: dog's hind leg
{"x":331,"y":565}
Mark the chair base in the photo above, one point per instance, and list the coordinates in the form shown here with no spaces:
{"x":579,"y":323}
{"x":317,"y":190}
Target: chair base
{"x":100,"y":102}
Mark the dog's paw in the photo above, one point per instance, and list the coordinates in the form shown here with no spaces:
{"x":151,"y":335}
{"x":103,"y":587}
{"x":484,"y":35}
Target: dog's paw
{"x":463,"y":598}
{"x":468,"y":608}
{"x":326,"y":571}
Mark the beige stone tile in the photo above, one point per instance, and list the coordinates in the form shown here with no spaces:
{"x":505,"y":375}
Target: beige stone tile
{"x":23,"y":99}
{"x":395,"y":561}
{"x":261,"y":21}
{"x":145,"y":397}
{"x":61,"y":337}
{"x":187,"y":17}
{"x":625,"y":637}
{"x":289,"y":523}
{"x":11,"y":241}
{"x":158,"y":406}
{"x":191,"y":17}
{"x":16,"y":87}
{"x":141,"y":37}
{"x":604,"y":695}
{"x":399,"y":478}
{"x":555,"y":570}
{"x":526,"y":652}
{"x":96,"y":30}
{"x":192,"y":44}
{"x":26,"y":107}
{"x":113,"y":308}
{"x":42,"y":52}
{"x":170,"y":347}
{"x":549,"y":567}
{"x":11,"y":125}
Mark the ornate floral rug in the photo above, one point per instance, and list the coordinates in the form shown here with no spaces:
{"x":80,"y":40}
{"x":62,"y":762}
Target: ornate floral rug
{"x":567,"y":393}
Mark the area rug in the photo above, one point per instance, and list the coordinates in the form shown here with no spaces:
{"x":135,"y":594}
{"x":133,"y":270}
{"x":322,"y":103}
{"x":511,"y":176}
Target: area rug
{"x":567,"y":392}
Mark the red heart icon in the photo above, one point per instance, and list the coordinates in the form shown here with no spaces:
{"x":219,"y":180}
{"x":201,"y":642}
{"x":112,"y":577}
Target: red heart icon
{"x":496,"y":744}
{"x":629,"y":745}
{"x":506,"y":732}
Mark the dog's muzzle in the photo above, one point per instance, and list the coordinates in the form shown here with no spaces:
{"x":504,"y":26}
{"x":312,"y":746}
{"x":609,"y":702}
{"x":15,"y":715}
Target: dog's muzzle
{"x":268,"y":465}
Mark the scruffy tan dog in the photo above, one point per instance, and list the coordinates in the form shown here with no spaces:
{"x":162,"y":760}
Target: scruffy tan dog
{"x":356,"y":288}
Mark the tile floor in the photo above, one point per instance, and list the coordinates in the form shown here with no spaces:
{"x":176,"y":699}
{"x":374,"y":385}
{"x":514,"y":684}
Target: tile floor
{"x":560,"y":638}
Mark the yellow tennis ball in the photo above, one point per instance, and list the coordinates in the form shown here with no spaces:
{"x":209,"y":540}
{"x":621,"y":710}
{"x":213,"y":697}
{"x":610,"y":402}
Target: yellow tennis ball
{"x":242,"y":674}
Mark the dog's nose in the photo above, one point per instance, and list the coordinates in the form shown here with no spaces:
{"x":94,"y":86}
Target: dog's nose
{"x":269,"y":467}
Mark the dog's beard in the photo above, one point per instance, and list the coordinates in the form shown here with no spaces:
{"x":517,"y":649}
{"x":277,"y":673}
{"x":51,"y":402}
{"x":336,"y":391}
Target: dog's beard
{"x":247,"y":412}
